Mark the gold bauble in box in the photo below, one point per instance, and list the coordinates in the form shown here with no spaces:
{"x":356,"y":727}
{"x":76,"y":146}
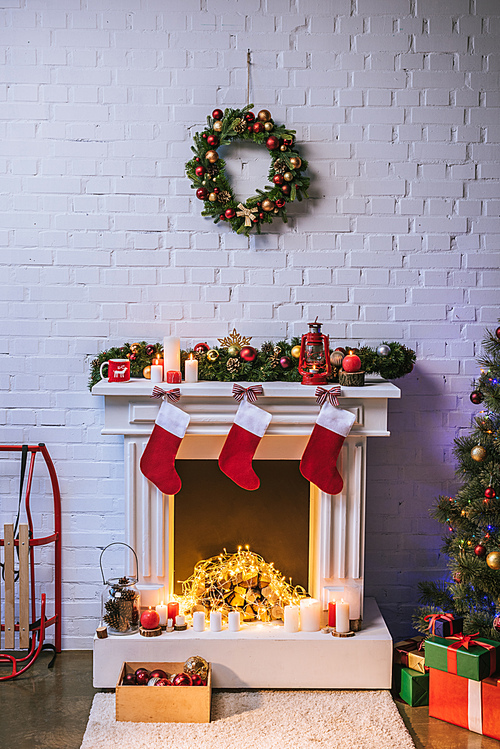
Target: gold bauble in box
{"x":147,"y":372}
{"x":493,"y":560}
{"x":217,"y":126}
{"x":212,"y":197}
{"x":296,"y":162}
{"x":478,"y":453}
{"x":196,"y":665}
{"x":288,"y":176}
{"x":212,"y":156}
{"x":295,"y":352}
{"x":264,"y":115}
{"x":267,"y":205}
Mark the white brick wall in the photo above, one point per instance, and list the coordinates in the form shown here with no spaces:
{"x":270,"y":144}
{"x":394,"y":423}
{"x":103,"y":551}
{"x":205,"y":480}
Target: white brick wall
{"x":396,"y":105}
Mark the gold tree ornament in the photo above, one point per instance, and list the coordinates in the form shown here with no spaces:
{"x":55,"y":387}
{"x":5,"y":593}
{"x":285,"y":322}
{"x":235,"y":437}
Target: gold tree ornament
{"x":247,"y":213}
{"x":234,"y":339}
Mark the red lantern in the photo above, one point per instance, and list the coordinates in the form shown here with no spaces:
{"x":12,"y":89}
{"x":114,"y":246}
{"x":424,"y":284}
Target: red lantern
{"x":314,"y":361}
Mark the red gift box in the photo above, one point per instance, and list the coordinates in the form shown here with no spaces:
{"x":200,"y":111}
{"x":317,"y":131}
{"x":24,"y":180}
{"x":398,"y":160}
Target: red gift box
{"x":465,"y":702}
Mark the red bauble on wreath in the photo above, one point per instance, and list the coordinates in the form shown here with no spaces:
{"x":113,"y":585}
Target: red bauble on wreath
{"x":207,"y":170}
{"x":480,"y":550}
{"x":248,"y":353}
{"x":201,"y":348}
{"x":489,"y":492}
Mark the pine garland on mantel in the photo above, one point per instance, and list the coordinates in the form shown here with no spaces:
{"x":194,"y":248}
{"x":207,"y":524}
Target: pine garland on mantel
{"x":272,"y":362}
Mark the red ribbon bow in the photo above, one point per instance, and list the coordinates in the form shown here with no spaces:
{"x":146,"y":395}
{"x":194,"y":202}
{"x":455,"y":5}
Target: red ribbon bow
{"x":432,"y":618}
{"x":251,"y":392}
{"x":171,"y":395}
{"x":322,"y":394}
{"x":463,"y":641}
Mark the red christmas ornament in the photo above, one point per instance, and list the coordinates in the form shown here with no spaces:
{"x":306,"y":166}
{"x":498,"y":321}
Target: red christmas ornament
{"x":158,"y":673}
{"x":342,"y":350}
{"x":261,"y":216}
{"x":201,"y":348}
{"x":142,"y":676}
{"x":248,"y":353}
{"x":222,"y":217}
{"x":288,"y":142}
{"x":280,"y":202}
{"x":489,"y":492}
{"x":285,"y":362}
{"x":197,"y":681}
{"x":163,"y":683}
{"x":129,"y":679}
{"x":476,"y":397}
{"x":150,"y":619}
{"x":351,"y":363}
{"x":258,"y":127}
{"x":480,"y":550}
{"x":285,"y":189}
{"x":133,"y":357}
{"x":249,"y":117}
{"x":182,"y":680}
{"x":217,"y":114}
{"x":230,"y":213}
{"x":200,"y":171}
{"x":205,"y":135}
{"x":278,"y":179}
{"x":497,"y":332}
{"x":272,"y":143}
{"x":201,"y":193}
{"x":213,"y":140}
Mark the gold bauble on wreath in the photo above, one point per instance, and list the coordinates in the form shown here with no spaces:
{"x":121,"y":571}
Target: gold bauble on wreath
{"x":264,"y":115}
{"x":212,"y":156}
{"x":288,"y":176}
{"x":234,"y":350}
{"x":267,"y":205}
{"x":283,"y":148}
{"x":478,"y":453}
{"x":212,"y":197}
{"x":268,"y":126}
{"x":295,"y":352}
{"x":146,"y":372}
{"x":493,"y":560}
{"x":212,"y":355}
{"x":296,"y":162}
{"x":217,"y":126}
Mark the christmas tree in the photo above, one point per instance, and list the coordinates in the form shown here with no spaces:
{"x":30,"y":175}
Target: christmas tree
{"x":472,"y":516}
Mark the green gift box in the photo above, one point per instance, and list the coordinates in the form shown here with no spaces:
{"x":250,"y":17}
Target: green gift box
{"x":414,"y":687}
{"x":471,"y":657}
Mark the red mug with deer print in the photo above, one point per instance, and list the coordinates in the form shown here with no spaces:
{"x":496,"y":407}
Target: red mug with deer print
{"x":118,"y":370}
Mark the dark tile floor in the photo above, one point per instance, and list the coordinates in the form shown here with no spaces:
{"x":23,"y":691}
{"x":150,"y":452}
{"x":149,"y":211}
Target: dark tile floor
{"x":48,"y":709}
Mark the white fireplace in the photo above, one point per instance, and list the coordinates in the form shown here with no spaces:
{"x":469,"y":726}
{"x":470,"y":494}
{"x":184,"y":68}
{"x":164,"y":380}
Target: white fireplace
{"x":336,"y":534}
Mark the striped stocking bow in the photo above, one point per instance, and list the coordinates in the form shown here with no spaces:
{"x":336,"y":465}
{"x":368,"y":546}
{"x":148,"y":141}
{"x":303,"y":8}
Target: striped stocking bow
{"x":171,"y":395}
{"x":322,"y":394}
{"x":239,"y":392}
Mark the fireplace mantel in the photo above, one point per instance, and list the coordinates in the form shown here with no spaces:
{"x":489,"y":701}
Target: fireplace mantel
{"x":337,"y":523}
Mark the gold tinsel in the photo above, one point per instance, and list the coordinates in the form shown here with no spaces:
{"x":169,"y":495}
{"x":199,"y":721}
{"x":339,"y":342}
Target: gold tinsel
{"x":242,"y":582}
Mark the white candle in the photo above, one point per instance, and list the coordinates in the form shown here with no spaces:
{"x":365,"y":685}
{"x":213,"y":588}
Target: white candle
{"x":233,"y":621}
{"x":162,"y":610}
{"x":191,"y":369}
{"x":180,"y":620}
{"x":342,"y":616}
{"x":156,"y":373}
{"x":215,"y":621}
{"x":199,"y":621}
{"x":171,"y":355}
{"x":310,"y":614}
{"x":291,"y":618}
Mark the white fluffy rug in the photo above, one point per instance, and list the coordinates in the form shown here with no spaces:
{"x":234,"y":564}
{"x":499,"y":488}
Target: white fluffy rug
{"x":263,"y":720}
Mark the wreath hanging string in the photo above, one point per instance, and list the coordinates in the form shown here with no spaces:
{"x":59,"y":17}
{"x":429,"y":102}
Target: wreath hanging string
{"x":207,"y":171}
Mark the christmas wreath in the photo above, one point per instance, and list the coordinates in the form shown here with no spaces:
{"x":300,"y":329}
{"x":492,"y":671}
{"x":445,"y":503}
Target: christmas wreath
{"x":234,"y":360}
{"x":208,"y":175}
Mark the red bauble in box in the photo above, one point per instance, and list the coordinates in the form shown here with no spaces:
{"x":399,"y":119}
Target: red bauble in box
{"x":163,"y":683}
{"x":248,"y":353}
{"x":129,"y":679}
{"x":150,"y":619}
{"x":201,"y":348}
{"x":217,"y":114}
{"x":351,"y":363}
{"x":182,"y":680}
{"x":197,"y":681}
{"x":158,"y":673}
{"x":142,"y":676}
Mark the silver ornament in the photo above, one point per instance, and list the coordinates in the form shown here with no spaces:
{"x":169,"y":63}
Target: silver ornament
{"x":384,"y":350}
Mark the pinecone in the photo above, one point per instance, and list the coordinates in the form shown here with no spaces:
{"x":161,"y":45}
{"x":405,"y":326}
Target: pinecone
{"x":224,"y":196}
{"x":239,"y":126}
{"x":267,"y":348}
{"x":280,"y":167}
{"x":275,"y":357}
{"x":233,"y":365}
{"x":212,"y":170}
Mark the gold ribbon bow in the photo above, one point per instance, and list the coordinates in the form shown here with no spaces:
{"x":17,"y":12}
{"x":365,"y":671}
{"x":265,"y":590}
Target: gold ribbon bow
{"x":247,"y":213}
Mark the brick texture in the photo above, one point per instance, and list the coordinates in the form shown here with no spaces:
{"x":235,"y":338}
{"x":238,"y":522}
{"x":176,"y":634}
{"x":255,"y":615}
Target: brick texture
{"x":395,"y":103}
